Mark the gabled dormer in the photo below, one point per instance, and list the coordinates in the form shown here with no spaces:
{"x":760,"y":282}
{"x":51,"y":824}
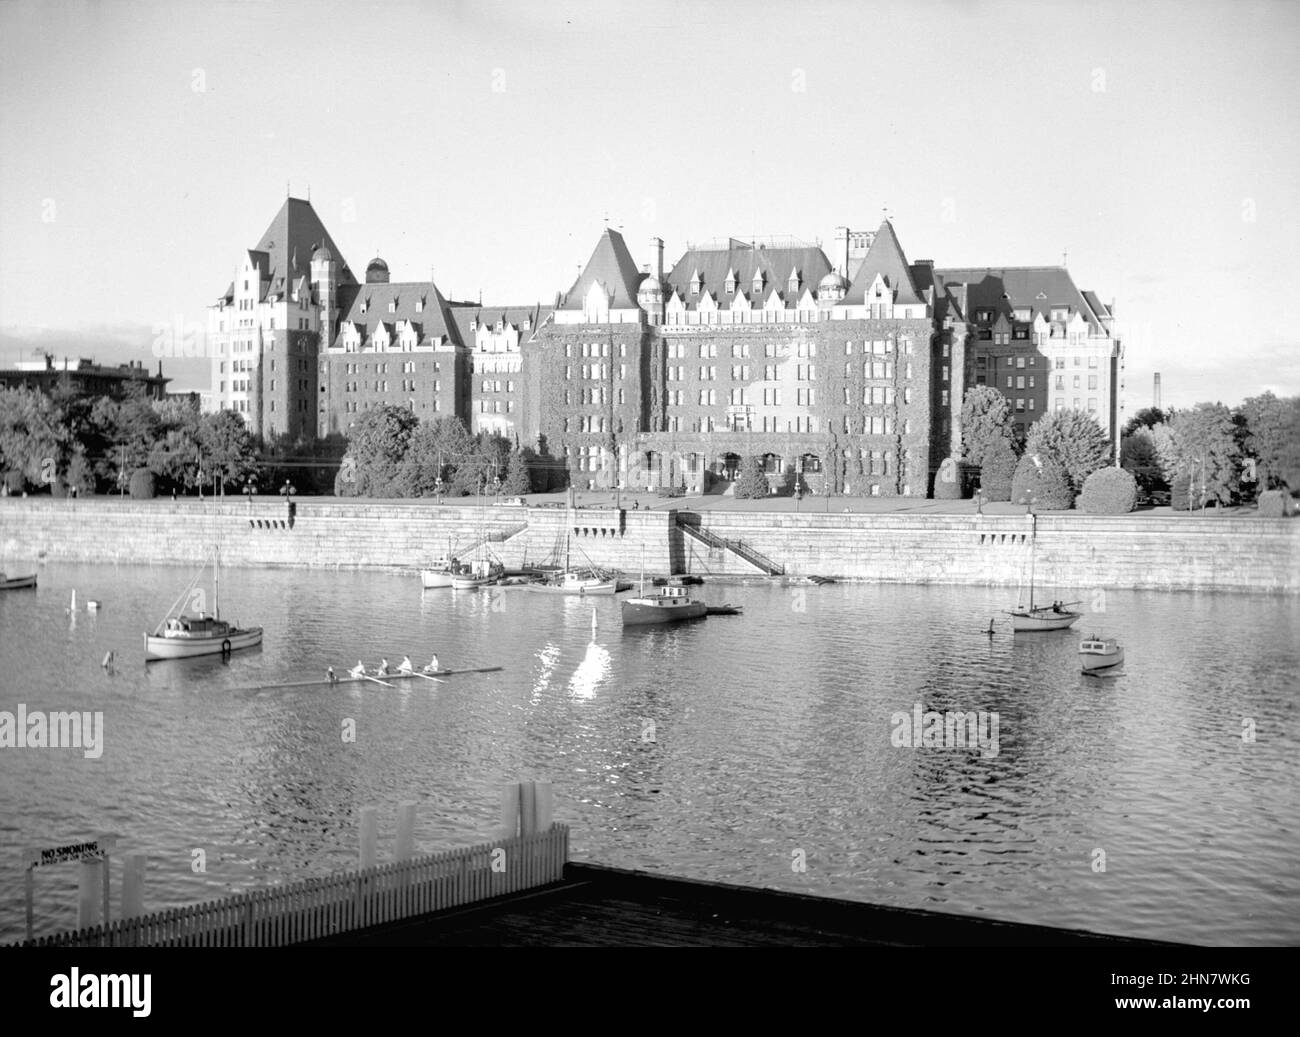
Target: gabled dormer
{"x":740,"y":301}
{"x":806,"y":301}
{"x":696,"y":283}
{"x":878,"y":292}
{"x":774,"y":301}
{"x":792,"y":282}
{"x":392,"y":304}
{"x":706,"y":303}
{"x":595,"y":306}
{"x":419,"y":304}
{"x":757,"y":284}
{"x":675,"y":306}
{"x":731,"y":282}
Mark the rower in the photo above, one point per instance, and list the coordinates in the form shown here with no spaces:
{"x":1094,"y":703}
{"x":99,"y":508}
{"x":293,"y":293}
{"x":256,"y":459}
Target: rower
{"x":329,"y":672}
{"x":405,"y":667}
{"x":383,"y":668}
{"x":358,"y":671}
{"x":433,"y":666}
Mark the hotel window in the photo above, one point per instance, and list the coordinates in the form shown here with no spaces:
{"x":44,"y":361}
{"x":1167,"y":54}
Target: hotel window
{"x":945,"y":349}
{"x":1092,"y":361}
{"x":1078,"y":361}
{"x":568,"y":372}
{"x":943,"y":398}
{"x":1092,"y":405}
{"x":1076,"y":403}
{"x":907,"y":395}
{"x":1031,"y":403}
{"x":1092,"y":381}
{"x":1020,"y":381}
{"x":1060,"y":363}
{"x":945,"y":372}
{"x":620,"y":397}
{"x":1060,"y":405}
{"x":1020,"y":361}
{"x":1031,"y":381}
{"x":1020,"y":403}
{"x":1009,"y":381}
{"x":1060,"y":381}
{"x":848,"y":348}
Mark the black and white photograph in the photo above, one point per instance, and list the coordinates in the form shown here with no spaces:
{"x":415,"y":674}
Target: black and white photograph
{"x":626,"y":474}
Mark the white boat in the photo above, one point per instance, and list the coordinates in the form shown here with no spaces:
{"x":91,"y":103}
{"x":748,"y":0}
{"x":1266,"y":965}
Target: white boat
{"x":441,"y":572}
{"x":583,"y":583}
{"x":1100,"y":653}
{"x":184,"y":637}
{"x":1056,"y":616}
{"x":481,"y":574}
{"x":14,"y":583}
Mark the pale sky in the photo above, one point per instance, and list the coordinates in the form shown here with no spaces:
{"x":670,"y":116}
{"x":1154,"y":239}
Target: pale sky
{"x":144,"y":145}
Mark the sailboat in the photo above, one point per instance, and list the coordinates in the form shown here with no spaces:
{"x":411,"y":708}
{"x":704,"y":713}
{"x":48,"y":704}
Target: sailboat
{"x":583,"y":581}
{"x":183,"y":637}
{"x":1056,"y":616}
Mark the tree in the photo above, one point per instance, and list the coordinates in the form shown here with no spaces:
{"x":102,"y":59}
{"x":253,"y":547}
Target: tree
{"x":1169,"y":458}
{"x":1147,"y":417}
{"x":987,"y":423}
{"x":517,"y":482}
{"x":435,"y":450}
{"x":32,"y":436}
{"x":751,"y":483}
{"x":1271,"y":440}
{"x":1208,"y":451}
{"x":1138,"y":455}
{"x":1072,"y":439}
{"x":998,"y":471}
{"x":1042,"y":483}
{"x":377,"y":445}
{"x":227,"y":448}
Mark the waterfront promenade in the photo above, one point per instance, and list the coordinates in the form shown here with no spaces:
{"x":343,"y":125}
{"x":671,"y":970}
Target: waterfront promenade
{"x":895,"y":540}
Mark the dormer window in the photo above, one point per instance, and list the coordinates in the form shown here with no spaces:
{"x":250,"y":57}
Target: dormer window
{"x":695,"y":283}
{"x":419,"y":304}
{"x":794,"y":280}
{"x":983,"y":316}
{"x":731,"y":282}
{"x":392,"y":305}
{"x":1060,"y":314}
{"x":365,"y":305}
{"x":758,"y":280}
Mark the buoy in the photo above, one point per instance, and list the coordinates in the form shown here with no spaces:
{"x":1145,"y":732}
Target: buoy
{"x":92,"y":606}
{"x":73,"y":606}
{"x":593,"y":621}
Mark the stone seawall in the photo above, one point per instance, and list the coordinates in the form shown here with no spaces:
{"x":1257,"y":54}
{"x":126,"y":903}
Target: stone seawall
{"x":1177,"y":552}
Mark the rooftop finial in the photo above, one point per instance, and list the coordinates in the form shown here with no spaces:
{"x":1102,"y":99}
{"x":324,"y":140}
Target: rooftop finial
{"x":1065,"y":258}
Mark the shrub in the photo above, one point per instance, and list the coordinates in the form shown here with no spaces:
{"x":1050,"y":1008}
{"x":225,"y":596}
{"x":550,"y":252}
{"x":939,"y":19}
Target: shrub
{"x":947,"y":481}
{"x":1044,"y":484}
{"x":996,"y":475}
{"x":1180,"y":493}
{"x":1108,"y":491}
{"x":142,"y":484}
{"x":751,"y":483}
{"x":1276,"y":504}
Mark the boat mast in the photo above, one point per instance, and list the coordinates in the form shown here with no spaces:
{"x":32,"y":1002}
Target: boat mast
{"x":642,"y":571}
{"x":1033,"y":543}
{"x":216,"y":583}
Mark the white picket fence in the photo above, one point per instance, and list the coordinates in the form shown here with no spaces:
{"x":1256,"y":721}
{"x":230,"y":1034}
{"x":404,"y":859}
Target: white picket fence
{"x":343,"y":902}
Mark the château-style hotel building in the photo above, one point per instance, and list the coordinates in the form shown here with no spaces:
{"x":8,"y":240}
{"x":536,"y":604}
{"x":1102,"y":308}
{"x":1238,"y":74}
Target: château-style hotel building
{"x":843,"y":371}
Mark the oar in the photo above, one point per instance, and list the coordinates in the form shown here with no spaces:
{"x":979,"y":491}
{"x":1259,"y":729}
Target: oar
{"x":376,"y":680}
{"x":427,"y":677}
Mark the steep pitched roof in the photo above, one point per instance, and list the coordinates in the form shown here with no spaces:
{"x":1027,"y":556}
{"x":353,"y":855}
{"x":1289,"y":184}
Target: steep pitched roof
{"x":295,"y":233}
{"x":1039,"y":289}
{"x":744,"y":259}
{"x":435,"y":319}
{"x":610,"y":264}
{"x":511,"y":315}
{"x":885,"y":257}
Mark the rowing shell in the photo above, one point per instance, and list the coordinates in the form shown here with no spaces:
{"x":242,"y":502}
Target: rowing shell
{"x":368,"y":677}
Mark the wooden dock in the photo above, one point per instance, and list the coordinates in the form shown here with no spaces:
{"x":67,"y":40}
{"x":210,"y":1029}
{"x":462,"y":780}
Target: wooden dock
{"x":596,"y":906}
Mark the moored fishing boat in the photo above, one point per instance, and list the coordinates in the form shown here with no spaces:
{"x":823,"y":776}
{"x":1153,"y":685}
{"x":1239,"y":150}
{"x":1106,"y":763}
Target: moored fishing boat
{"x":441,"y":572}
{"x":584,"y":583}
{"x":1100,"y":653}
{"x":16,"y":583}
{"x":670,"y":605}
{"x":1056,"y":616}
{"x":480,"y":574}
{"x":184,"y":637}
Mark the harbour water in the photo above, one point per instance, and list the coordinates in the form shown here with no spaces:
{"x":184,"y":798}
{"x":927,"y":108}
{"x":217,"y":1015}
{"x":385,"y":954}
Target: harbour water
{"x":728,"y":749}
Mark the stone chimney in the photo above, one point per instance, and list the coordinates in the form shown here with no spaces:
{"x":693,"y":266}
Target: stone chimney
{"x":657,"y":246}
{"x":840,"y":257}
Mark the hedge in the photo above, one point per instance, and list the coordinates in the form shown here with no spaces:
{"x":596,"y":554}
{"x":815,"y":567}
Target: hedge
{"x":947,"y":481}
{"x":997,"y":474}
{"x":142,"y":484}
{"x":1108,"y":491}
{"x":1045,"y":485}
{"x":1276,"y":504}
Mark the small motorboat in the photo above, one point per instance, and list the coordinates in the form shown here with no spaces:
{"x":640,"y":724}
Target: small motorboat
{"x":17,"y":583}
{"x":582,"y":583}
{"x":670,"y":605}
{"x":1100,"y":653}
{"x":441,"y":572}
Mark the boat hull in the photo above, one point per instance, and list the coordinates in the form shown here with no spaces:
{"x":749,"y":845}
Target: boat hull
{"x":469,"y":583}
{"x":580,"y":590}
{"x":18,"y":583}
{"x":157,"y":648}
{"x":643,"y":613}
{"x":431,"y":579}
{"x":1024,"y":621}
{"x":1098,"y":661}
